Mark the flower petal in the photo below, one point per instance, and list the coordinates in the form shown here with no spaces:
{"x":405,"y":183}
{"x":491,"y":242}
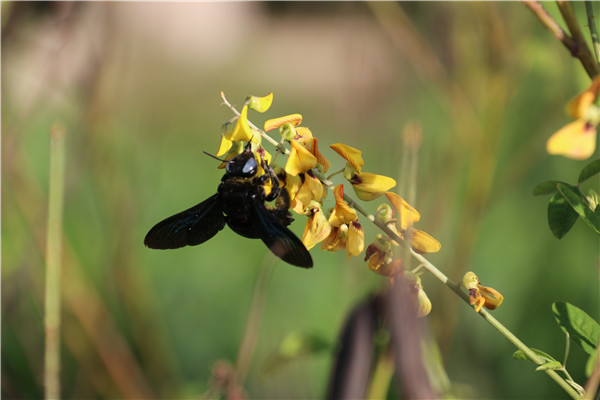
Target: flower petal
{"x":492,"y":297}
{"x":304,"y":136}
{"x":407,"y":214}
{"x":342,"y":213}
{"x":336,"y":239}
{"x":424,"y":304}
{"x":355,"y":243}
{"x":317,"y":227}
{"x":314,"y":149}
{"x":578,"y":106}
{"x":470,"y":280}
{"x":300,"y":160}
{"x":422,"y":242}
{"x":368,"y":186}
{"x":575,"y":140}
{"x":260,"y":104}
{"x":310,"y":189}
{"x":224,"y":146}
{"x":294,"y":119}
{"x":352,"y":155}
{"x":242,"y":131}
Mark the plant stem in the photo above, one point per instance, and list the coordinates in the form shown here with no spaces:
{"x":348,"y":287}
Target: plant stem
{"x":593,"y":32}
{"x":53,"y":262}
{"x":576,"y":45}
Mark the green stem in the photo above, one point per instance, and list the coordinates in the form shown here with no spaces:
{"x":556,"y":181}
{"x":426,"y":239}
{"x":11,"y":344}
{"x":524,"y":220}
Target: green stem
{"x":335,"y":173}
{"x":593,"y":32}
{"x":53,"y":260}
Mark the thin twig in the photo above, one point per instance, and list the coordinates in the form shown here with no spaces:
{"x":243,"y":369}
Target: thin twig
{"x":584,"y":53}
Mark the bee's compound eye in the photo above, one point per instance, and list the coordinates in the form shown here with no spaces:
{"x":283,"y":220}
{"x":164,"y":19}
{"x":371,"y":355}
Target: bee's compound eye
{"x":250,"y":167}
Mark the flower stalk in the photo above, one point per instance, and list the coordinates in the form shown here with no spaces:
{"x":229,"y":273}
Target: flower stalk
{"x":53,"y":263}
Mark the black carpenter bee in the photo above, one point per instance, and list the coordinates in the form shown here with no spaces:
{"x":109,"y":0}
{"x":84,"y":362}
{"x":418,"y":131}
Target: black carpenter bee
{"x":239,"y":202}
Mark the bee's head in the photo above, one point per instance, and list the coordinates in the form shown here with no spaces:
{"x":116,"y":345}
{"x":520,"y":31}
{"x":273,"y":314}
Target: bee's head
{"x":244,"y":165}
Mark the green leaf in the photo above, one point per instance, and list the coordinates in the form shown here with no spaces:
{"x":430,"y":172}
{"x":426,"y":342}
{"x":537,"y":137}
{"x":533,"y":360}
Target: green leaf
{"x":561,"y":217}
{"x":582,"y":328}
{"x":579,"y":203}
{"x":547,"y":187}
{"x":519,"y":355}
{"x":589,"y":170}
{"x":554,"y":365}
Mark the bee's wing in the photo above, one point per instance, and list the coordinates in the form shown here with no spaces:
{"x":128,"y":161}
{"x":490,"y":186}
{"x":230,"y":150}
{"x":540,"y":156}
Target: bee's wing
{"x":280,"y":240}
{"x":188,"y":228}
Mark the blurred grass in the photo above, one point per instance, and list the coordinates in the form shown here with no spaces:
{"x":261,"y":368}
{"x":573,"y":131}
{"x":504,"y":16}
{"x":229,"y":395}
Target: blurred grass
{"x":137,"y":87}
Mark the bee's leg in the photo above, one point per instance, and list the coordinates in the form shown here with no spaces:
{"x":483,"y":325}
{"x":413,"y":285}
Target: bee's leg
{"x":270,"y":175}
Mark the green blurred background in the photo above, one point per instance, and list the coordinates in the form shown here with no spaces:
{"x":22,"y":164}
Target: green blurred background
{"x":136,"y":86}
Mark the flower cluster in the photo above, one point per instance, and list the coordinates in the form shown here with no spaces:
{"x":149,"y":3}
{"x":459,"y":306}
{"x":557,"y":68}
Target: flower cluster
{"x":577,"y":139}
{"x":339,"y":226}
{"x":301,"y":177}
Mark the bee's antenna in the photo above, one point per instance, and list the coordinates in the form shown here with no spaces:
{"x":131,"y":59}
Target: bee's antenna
{"x":215,"y":157}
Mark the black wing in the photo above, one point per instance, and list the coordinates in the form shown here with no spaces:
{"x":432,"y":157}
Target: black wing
{"x":188,"y":228}
{"x":280,"y":240}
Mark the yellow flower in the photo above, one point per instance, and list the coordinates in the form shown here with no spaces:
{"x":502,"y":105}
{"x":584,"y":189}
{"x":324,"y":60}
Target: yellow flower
{"x":407,"y":215}
{"x":346,"y":230}
{"x":577,"y":139}
{"x":356,"y":239}
{"x":420,"y":241}
{"x":481,"y":296}
{"x":317,"y":227}
{"x":366,"y":185}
